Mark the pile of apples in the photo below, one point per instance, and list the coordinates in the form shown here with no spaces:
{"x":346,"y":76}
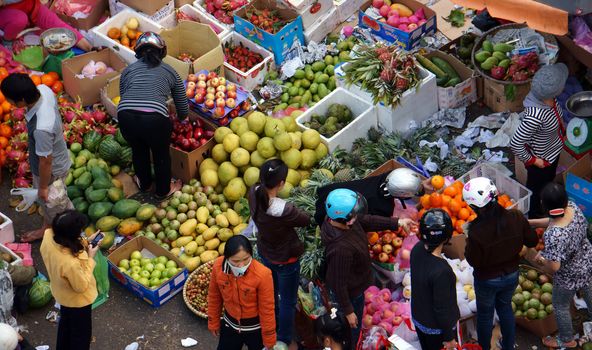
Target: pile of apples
{"x":399,"y":16}
{"x":212,"y":91}
{"x":381,"y":309}
{"x":385,"y":245}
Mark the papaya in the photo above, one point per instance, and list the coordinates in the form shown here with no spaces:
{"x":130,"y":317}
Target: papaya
{"x":84,"y":180}
{"x":96,"y":196}
{"x":74,"y":192}
{"x":239,"y":228}
{"x":126,"y":208}
{"x":107,"y":223}
{"x":145,"y":212}
{"x":99,"y":209}
{"x":221,"y":220}
{"x":446,"y":67}
{"x":114,"y":194}
{"x":487,"y":46}
{"x":107,"y":240}
{"x":129,"y":226}
{"x":77,"y":172}
{"x":210,"y":233}
{"x":102,"y":183}
{"x":82,"y":206}
{"x":221,"y":248}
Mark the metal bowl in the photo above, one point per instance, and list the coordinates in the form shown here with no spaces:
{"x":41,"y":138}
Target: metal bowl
{"x":58,"y":40}
{"x":580,"y":104}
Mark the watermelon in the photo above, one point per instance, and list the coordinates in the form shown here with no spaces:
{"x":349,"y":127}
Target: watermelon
{"x":126,"y":208}
{"x":119,"y":138}
{"x":109,"y":150}
{"x":91,"y":140}
{"x":39,"y":293}
{"x":125,"y":156}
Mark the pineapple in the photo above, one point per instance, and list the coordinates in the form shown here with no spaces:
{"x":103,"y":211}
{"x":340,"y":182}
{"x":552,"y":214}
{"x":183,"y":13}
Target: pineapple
{"x":345,"y":174}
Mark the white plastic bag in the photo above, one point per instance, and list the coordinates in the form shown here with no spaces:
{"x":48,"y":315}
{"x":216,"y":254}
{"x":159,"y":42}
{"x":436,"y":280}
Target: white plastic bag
{"x":57,"y":195}
{"x":407,"y":332}
{"x":29,"y":197}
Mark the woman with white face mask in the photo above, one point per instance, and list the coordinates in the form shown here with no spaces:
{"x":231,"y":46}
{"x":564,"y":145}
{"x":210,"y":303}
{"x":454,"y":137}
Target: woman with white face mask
{"x":243,"y":287}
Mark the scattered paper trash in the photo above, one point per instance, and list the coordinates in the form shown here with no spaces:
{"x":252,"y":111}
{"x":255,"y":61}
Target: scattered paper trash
{"x":42,"y":347}
{"x":132,"y":346}
{"x":188,"y":342}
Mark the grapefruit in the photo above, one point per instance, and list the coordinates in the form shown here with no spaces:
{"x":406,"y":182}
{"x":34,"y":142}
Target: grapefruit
{"x":282,"y":142}
{"x":256,"y":122}
{"x":293,"y":177}
{"x":311,"y":139}
{"x":231,"y":142}
{"x":274,"y":127}
{"x":296,"y":141}
{"x":239,"y":125}
{"x":219,"y":155}
{"x":256,"y":159}
{"x":240,"y":157}
{"x":208,"y":163}
{"x":265,"y":147}
{"x":209,"y":177}
{"x":248,"y":141}
{"x":309,"y":158}
{"x":251,"y":176}
{"x":220,"y":133}
{"x":235,"y":190}
{"x":226,"y":172}
{"x":292,"y":158}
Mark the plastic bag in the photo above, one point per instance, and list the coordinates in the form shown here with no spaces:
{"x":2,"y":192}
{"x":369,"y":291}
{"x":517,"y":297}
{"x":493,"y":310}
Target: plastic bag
{"x":581,"y":33}
{"x":406,"y":331}
{"x":101,"y":273}
{"x":6,"y":298}
{"x":405,"y":252}
{"x":29,"y":197}
{"x":376,"y":339}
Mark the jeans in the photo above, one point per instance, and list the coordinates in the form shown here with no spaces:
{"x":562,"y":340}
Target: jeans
{"x":285,"y":281}
{"x":231,"y":339}
{"x":496,"y":294}
{"x":149,"y":132}
{"x":561,"y":304}
{"x":536,"y":180}
{"x":74,"y":328}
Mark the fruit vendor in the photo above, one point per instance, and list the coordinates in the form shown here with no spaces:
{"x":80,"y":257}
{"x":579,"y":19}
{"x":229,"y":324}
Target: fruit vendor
{"x":143,"y":113}
{"x":69,"y":261}
{"x":48,"y":153}
{"x":278,"y":242}
{"x":567,"y":256}
{"x":17,"y":15}
{"x":433,"y":284}
{"x":495,"y":240}
{"x":380,"y":191}
{"x":538,"y":141}
{"x":348,"y":264}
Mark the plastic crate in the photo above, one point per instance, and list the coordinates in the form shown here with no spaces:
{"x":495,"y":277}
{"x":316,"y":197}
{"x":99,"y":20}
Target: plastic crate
{"x":519,"y":194}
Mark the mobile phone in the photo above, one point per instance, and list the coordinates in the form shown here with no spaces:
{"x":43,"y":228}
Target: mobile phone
{"x":97,"y":239}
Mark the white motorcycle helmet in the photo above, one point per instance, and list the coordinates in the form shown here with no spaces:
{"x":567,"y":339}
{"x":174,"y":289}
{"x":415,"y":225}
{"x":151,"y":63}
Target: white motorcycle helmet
{"x":404,"y":183}
{"x":479,"y":192}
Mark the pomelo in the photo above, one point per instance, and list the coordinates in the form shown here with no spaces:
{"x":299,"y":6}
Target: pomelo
{"x":251,"y":176}
{"x":265,"y":147}
{"x":226,"y":172}
{"x":311,"y":139}
{"x":290,"y":123}
{"x":256,"y":122}
{"x":235,"y":190}
{"x":309,"y":158}
{"x":220,"y":133}
{"x":274,"y":127}
{"x":285,"y":191}
{"x":231,"y":142}
{"x":209,"y":177}
{"x":321,"y":151}
{"x":296,"y":141}
{"x":248,"y":141}
{"x":219,"y":155}
{"x":292,"y":158}
{"x":239,"y":125}
{"x":293,"y":177}
{"x":208,"y":163}
{"x":256,"y":159}
{"x":240,"y":157}
{"x":282,"y":141}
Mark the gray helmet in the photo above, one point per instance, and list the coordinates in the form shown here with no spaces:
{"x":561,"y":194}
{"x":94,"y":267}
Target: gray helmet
{"x":404,"y":183}
{"x":150,"y":39}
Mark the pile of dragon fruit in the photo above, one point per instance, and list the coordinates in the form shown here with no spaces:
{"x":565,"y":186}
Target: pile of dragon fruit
{"x":522,"y":67}
{"x":223,"y":10}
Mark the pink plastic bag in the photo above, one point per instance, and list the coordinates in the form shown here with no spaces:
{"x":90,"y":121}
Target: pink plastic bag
{"x":581,"y":33}
{"x":405,"y":252}
{"x":410,"y":212}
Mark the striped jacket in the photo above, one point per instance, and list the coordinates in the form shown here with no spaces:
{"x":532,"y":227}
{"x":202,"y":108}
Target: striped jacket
{"x":538,"y":135}
{"x":144,"y":88}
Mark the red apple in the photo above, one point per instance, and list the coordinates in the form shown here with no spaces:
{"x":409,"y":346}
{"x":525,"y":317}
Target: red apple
{"x":192,"y":78}
{"x":397,"y":320}
{"x":397,"y":242}
{"x":221,"y":88}
{"x":387,"y":238}
{"x":377,"y":248}
{"x":230,"y":103}
{"x":220,"y":102}
{"x":219,"y":112}
{"x":190,"y":93}
{"x":210,"y":96}
{"x":191,"y":85}
{"x":222,"y":80}
{"x":383,"y":257}
{"x":201,"y":84}
{"x":220,"y":94}
{"x":367,"y":321}
{"x":411,"y":26}
{"x":199,"y":98}
{"x":202,"y":77}
{"x":231,"y":87}
{"x":223,"y":121}
{"x":394,"y":306}
{"x":387,"y":314}
{"x":212,"y":75}
{"x":230,"y":93}
{"x":210,"y":103}
{"x":211,"y":90}
{"x":200,"y":91}
{"x":387,"y":248}
{"x":215,"y":82}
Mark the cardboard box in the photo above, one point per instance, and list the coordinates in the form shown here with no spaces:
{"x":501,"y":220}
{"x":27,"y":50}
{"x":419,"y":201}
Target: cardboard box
{"x":149,"y":7}
{"x":89,"y":90}
{"x":494,"y":96}
{"x":405,"y":40}
{"x":463,"y":93}
{"x":389,"y":166}
{"x":254,"y":76}
{"x":181,"y":3}
{"x":364,"y":115}
{"x":116,"y":6}
{"x":298,"y":5}
{"x":313,"y":12}
{"x":201,"y":17}
{"x":155,"y":297}
{"x":322,"y":27}
{"x":578,"y":184}
{"x":98,"y":10}
{"x":566,"y":160}
{"x":200,"y":5}
{"x":281,"y":43}
{"x":200,"y":41}
{"x":108,"y":93}
{"x":117,"y":21}
{"x":451,"y":48}
{"x":185,"y":165}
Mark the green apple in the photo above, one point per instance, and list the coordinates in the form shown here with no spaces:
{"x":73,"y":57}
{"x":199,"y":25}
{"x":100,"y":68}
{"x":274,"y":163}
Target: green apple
{"x":134,"y":262}
{"x":136,"y":269}
{"x":136,"y":255}
{"x":135,"y":276}
{"x":145,"y":273}
{"x":144,"y":281}
{"x":171,"y":263}
{"x":162,"y":259}
{"x":124,"y":264}
{"x":156,"y":274}
{"x":170,"y":272}
{"x":155,"y":282}
{"x":160,"y":267}
{"x":149,"y":267}
{"x":145,"y":261}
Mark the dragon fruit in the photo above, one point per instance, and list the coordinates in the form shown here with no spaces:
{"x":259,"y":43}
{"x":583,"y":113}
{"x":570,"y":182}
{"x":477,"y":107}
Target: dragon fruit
{"x":520,"y":76}
{"x":498,"y":72}
{"x":18,"y":114}
{"x":21,"y":182}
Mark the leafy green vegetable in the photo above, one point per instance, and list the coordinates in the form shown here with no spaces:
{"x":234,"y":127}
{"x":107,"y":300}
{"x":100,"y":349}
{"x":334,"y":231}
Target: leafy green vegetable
{"x":456,"y":18}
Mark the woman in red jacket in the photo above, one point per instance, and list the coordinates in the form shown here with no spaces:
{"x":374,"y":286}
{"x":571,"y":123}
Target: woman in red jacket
{"x":244,"y":288}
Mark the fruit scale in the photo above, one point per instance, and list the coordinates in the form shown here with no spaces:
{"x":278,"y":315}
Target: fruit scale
{"x":579,"y":129}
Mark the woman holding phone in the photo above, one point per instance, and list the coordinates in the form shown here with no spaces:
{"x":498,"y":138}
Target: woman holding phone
{"x":69,"y":260}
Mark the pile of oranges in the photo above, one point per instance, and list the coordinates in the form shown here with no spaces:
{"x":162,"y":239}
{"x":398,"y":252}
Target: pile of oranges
{"x":451,"y":201}
{"x":51,"y":79}
{"x":5,"y":135}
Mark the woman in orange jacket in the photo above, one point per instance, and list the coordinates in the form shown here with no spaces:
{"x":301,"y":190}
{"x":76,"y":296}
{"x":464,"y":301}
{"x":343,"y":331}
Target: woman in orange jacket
{"x":244,"y":287}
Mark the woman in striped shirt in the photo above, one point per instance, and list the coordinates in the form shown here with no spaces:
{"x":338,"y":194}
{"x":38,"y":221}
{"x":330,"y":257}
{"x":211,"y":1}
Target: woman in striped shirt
{"x":539,"y":139}
{"x":145,"y":87}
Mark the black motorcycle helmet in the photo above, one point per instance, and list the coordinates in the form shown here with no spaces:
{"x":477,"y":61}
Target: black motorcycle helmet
{"x":435,"y":227}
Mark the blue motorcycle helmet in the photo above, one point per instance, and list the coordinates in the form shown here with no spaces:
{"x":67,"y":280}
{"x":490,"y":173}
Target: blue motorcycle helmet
{"x":343,"y":204}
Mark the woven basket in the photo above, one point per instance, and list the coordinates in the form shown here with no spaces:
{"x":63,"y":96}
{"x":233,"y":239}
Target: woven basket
{"x":479,"y":43}
{"x":191,"y":276}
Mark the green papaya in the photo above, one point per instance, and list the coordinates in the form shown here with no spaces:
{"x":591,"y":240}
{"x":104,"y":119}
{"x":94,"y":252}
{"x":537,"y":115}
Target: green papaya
{"x":74,"y":192}
{"x":97,"y":195}
{"x":84,"y":180}
{"x":481,"y":56}
{"x":487,"y":46}
{"x":77,"y":172}
{"x":102,"y":183}
{"x":499,"y":55}
{"x":503,"y":47}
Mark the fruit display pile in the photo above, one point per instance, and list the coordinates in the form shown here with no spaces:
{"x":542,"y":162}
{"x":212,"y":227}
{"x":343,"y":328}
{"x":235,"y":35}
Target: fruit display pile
{"x":464,"y":49}
{"x":223,"y":10}
{"x":383,"y":309}
{"x":186,"y":57}
{"x":241,"y":57}
{"x":495,"y":60}
{"x":189,"y":135}
{"x":266,"y":19}
{"x":127,"y":34}
{"x":183,"y":16}
{"x":151,"y":273}
{"x":196,"y":287}
{"x":338,"y":116}
{"x":398,"y":15}
{"x":533,"y":296}
{"x":444,"y":72}
{"x":385,"y":245}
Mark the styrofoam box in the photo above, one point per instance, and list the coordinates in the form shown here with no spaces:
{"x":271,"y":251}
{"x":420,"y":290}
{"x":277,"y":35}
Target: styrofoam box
{"x":16,"y":260}
{"x":6,"y":230}
{"x":519,"y":194}
{"x":416,"y":104}
{"x":309,"y":18}
{"x":347,"y":8}
{"x":101,"y":38}
{"x":171,"y":20}
{"x":363,"y":112}
{"x":323,"y":26}
{"x":199,"y":4}
{"x":159,"y":16}
{"x":255,"y":75}
{"x":298,"y":5}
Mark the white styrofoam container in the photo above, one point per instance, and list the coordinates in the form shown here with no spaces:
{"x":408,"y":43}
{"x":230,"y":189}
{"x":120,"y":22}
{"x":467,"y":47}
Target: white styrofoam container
{"x":6,"y":230}
{"x":171,"y":20}
{"x":17,"y":261}
{"x":363,"y":112}
{"x":314,"y":12}
{"x":101,"y":38}
{"x":417,"y":104}
{"x":322,"y":27}
{"x":255,"y":75}
{"x":347,"y":8}
{"x":159,"y":16}
{"x":297,"y":5}
{"x":200,"y":4}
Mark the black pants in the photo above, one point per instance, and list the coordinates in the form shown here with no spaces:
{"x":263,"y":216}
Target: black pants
{"x":230,"y":339}
{"x":431,"y":341}
{"x":536,"y":180}
{"x":75,"y":328}
{"x":149,"y":132}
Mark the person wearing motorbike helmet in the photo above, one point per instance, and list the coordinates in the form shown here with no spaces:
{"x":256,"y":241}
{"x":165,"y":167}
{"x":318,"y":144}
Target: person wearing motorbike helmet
{"x":143,"y":113}
{"x":495,"y":240}
{"x":433,"y":284}
{"x":348,"y":265}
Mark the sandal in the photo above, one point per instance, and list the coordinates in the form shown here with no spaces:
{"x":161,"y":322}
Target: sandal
{"x":556,"y":343}
{"x":176,"y":185}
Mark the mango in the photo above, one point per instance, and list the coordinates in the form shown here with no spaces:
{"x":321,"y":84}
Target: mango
{"x":212,"y":244}
{"x":202,"y":214}
{"x":200,"y":240}
{"x":182,"y":241}
{"x":224,"y":234}
{"x":208,"y":255}
{"x":481,"y":56}
{"x":233,"y":218}
{"x":201,"y":228}
{"x":239,"y":228}
{"x":191,"y":248}
{"x":188,"y":227}
{"x":210,"y":233}
{"x":221,"y":248}
{"x":192,"y":263}
{"x":487,"y":46}
{"x":499,"y":55}
{"x":503,"y":47}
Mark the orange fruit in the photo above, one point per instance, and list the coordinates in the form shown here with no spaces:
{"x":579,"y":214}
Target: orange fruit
{"x":131,"y":34}
{"x":3,"y":72}
{"x":459,"y":198}
{"x":458,"y":225}
{"x":57,"y":87}
{"x":435,"y":200}
{"x":425,"y":201}
{"x":447,"y":211}
{"x":6,"y":107}
{"x":450,"y":191}
{"x":114,"y":33}
{"x":3,"y":142}
{"x":5,"y":130}
{"x":54,"y":75}
{"x":437,"y":182}
{"x":453,"y":221}
{"x":464,"y":213}
{"x":2,"y":98}
{"x":373,"y":237}
{"x":472,"y":217}
{"x":47,"y":80}
{"x":455,"y":206}
{"x":36,"y":79}
{"x":446,"y":200}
